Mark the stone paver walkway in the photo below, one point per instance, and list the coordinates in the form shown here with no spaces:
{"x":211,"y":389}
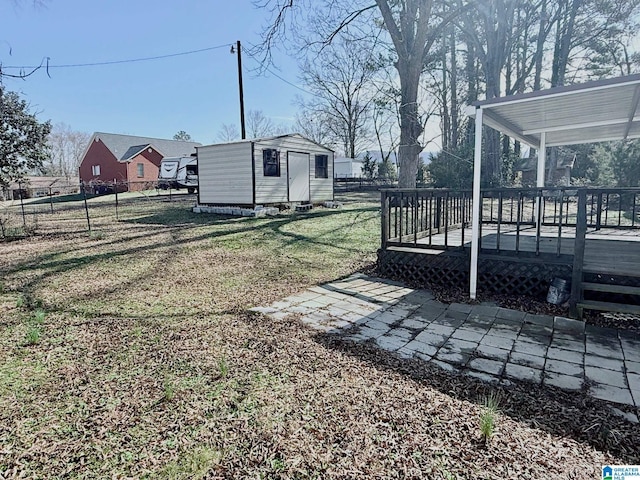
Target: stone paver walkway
{"x":485,"y":341}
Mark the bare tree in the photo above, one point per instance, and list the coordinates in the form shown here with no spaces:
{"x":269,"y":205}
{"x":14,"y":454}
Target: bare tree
{"x":412,"y":25}
{"x":66,"y":147}
{"x":228,"y":132}
{"x":341,"y":80}
{"x":314,"y":126}
{"x":259,"y":125}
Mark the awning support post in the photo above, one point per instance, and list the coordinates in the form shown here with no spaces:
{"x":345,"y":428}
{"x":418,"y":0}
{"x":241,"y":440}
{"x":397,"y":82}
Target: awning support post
{"x":542,"y":166}
{"x":475,"y":218}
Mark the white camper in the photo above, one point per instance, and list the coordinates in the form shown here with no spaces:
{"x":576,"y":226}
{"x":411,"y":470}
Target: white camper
{"x":179,"y":172}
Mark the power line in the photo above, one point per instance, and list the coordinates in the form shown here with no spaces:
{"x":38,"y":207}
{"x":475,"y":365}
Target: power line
{"x":48,"y":66}
{"x":267,"y":69}
{"x":288,"y":82}
{"x":115,"y":62}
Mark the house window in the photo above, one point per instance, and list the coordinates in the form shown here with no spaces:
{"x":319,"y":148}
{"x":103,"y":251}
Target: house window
{"x":271,"y":162}
{"x":322,"y":166}
{"x":95,"y":170}
{"x":140,"y":170}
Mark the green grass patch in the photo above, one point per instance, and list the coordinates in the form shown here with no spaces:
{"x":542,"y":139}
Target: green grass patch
{"x":192,"y":465}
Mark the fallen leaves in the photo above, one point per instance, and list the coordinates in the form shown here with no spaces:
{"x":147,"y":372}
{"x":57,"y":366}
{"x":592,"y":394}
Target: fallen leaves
{"x":160,"y":372}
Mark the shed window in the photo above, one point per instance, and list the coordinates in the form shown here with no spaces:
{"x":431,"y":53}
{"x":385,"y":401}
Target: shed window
{"x":140,"y":170}
{"x":95,"y":170}
{"x":271,"y":162}
{"x":322,"y":166}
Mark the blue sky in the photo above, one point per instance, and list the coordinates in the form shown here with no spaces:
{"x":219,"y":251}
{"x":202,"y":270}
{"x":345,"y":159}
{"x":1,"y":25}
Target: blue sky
{"x":196,"y":93}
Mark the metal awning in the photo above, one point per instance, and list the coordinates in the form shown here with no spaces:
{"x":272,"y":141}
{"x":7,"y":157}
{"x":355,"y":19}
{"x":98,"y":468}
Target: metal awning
{"x":598,"y":111}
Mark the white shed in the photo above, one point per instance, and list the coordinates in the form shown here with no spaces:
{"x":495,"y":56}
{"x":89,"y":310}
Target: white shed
{"x":265,"y":171}
{"x":347,"y":167}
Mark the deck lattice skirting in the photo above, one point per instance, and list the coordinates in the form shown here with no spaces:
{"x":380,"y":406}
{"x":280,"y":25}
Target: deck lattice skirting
{"x":451,"y":269}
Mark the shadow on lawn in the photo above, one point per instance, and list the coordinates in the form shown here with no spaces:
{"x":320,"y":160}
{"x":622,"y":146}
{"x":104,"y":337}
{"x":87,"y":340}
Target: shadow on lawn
{"x":183,"y":229}
{"x":558,"y":412}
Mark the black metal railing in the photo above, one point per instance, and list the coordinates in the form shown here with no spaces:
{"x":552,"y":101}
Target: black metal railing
{"x":441,"y":219}
{"x":416,"y":217}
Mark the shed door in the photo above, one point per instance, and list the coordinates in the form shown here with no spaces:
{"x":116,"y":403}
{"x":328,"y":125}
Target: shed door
{"x":298,"y":170}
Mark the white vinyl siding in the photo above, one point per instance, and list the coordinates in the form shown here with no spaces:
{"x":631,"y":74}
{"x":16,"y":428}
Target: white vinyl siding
{"x":224,"y":174}
{"x":268,"y":191}
{"x":322,"y":188}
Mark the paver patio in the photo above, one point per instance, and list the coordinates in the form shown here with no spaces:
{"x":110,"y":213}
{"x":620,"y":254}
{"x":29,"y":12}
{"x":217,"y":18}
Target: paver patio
{"x":488,"y":342}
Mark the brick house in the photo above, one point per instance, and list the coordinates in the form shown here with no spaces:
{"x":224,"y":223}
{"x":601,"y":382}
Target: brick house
{"x":130,"y":160}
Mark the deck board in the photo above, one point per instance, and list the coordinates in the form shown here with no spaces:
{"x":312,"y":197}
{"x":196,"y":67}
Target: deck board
{"x":609,"y":252}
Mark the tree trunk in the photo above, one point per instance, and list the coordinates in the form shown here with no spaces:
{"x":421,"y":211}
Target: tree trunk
{"x":410,"y":126}
{"x":564,"y":39}
{"x":539,"y":55}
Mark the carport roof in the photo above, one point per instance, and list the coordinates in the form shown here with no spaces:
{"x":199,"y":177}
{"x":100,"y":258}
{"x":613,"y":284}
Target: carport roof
{"x":597,"y":111}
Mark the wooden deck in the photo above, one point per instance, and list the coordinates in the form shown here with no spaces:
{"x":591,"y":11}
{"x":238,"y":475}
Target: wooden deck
{"x":589,"y":236}
{"x":609,"y":252}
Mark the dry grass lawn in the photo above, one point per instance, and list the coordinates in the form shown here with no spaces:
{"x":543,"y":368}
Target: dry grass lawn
{"x":129,"y":353}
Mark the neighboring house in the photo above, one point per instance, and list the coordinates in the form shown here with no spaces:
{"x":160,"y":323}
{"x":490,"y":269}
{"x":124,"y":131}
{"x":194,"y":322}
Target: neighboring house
{"x":267,"y":171}
{"x":41,"y":186}
{"x":527,"y":167}
{"x":347,"y":167}
{"x":133,"y":160}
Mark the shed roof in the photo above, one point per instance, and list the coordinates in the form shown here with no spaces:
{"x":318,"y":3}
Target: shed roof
{"x":124,"y":147}
{"x":271,"y":138}
{"x":597,"y":111}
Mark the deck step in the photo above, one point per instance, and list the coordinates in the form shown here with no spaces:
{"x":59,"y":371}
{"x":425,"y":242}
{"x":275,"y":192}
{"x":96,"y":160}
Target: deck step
{"x":608,"y":306}
{"x":603,"y":287}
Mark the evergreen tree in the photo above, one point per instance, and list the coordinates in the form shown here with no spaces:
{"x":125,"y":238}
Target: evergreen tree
{"x":369,"y":167}
{"x":23,"y":139}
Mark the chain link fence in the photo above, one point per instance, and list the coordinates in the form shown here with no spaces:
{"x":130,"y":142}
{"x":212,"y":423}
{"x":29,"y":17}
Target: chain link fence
{"x":72,"y":208}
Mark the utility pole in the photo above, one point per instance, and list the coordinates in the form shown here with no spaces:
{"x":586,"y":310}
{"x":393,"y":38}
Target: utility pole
{"x":239,"y":52}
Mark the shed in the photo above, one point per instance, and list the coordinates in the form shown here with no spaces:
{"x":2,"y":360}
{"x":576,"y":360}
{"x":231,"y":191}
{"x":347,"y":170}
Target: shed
{"x":345,"y":167}
{"x":265,"y":171}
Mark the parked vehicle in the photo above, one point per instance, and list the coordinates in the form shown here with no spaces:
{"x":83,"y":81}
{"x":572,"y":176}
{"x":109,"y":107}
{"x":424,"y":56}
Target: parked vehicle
{"x":179,"y":172}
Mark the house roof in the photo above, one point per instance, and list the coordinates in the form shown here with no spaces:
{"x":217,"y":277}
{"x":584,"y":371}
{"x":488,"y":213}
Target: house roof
{"x":125,"y":147}
{"x":565,"y":160}
{"x":597,"y":111}
{"x":46,"y":182}
{"x":133,"y":151}
{"x":347,"y":160}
